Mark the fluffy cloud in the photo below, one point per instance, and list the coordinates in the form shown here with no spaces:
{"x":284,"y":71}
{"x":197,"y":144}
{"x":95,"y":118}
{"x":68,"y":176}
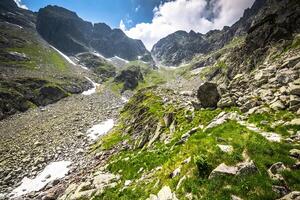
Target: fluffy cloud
{"x":20,"y":4}
{"x":187,"y":15}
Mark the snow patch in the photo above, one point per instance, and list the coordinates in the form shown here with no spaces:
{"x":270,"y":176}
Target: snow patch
{"x":117,"y":58}
{"x":93,"y":89}
{"x":63,"y":55}
{"x":53,"y":171}
{"x":20,"y":27}
{"x":124,"y":99}
{"x":100,"y":129}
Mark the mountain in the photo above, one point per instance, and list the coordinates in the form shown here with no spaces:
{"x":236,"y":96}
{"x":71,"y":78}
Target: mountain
{"x":181,"y":46}
{"x":69,"y":33}
{"x":32,"y":73}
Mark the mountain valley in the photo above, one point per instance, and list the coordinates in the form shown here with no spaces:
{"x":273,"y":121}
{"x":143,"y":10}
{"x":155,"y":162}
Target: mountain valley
{"x":88,"y":113}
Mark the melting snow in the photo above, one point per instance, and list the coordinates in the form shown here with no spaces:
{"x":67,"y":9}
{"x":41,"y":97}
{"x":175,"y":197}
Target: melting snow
{"x":93,"y":89}
{"x":53,"y":171}
{"x":20,"y":27}
{"x":118,"y":58}
{"x":124,"y":99}
{"x":63,"y":55}
{"x":100,"y":129}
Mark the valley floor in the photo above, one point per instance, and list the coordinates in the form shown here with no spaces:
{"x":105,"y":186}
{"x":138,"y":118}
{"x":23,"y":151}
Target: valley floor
{"x":58,"y":132}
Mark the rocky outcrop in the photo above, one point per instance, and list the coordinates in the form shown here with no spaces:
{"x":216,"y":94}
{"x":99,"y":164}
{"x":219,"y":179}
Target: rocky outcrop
{"x":70,"y":34}
{"x":130,"y":78}
{"x":97,"y":64}
{"x":24,"y":93}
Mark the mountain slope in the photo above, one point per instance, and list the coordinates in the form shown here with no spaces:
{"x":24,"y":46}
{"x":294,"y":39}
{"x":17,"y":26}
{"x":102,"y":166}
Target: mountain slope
{"x":70,"y":34}
{"x":182,"y":46}
{"x":32,"y":73}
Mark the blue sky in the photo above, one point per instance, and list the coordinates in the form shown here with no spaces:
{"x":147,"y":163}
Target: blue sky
{"x":111,"y":12}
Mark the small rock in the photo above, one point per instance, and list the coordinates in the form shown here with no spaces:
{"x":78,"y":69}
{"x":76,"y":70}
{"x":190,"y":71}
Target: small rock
{"x":233,"y":197}
{"x":225,"y":148}
{"x":295,"y":153}
{"x":175,"y":173}
{"x":127,"y":182}
{"x":295,"y":195}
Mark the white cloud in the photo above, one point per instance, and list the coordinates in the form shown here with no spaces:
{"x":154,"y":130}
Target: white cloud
{"x":20,"y":4}
{"x":186,"y":15}
{"x":122,"y":25}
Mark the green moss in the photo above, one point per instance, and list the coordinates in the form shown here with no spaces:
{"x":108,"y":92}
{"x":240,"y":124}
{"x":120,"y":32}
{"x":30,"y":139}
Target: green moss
{"x":202,"y":148}
{"x":137,"y":160}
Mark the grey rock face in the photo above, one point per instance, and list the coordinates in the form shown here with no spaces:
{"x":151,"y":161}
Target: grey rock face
{"x":70,"y":34}
{"x":182,"y":46}
{"x":130,"y":78}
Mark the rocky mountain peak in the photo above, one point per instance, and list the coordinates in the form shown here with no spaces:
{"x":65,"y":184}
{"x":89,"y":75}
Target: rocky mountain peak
{"x":70,"y":34}
{"x":164,"y":52}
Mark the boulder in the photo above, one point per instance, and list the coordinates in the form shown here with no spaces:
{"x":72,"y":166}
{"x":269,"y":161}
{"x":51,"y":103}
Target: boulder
{"x":275,"y":170}
{"x":225,"y":148}
{"x":175,"y":173}
{"x":294,"y":89}
{"x":295,"y":153}
{"x":243,"y":168}
{"x":247,"y":167}
{"x":208,"y":95}
{"x":295,"y":195}
{"x":294,"y":122}
{"x":277,"y":105}
{"x":223,"y":170}
{"x":166,"y":194}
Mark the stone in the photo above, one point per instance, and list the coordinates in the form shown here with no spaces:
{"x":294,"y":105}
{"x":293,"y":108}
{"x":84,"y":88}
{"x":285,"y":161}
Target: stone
{"x":188,"y":134}
{"x":225,"y":148}
{"x":188,"y":160}
{"x":222,"y":118}
{"x":275,"y":170}
{"x":166,"y":194}
{"x":247,"y":167}
{"x":294,"y":89}
{"x":295,"y":153}
{"x":156,"y":135}
{"x":223,"y":170}
{"x":103,"y":179}
{"x":281,"y":190}
{"x":243,"y":168}
{"x":277,"y":105}
{"x":175,"y":173}
{"x":233,"y":197}
{"x":225,"y":102}
{"x":208,"y":95}
{"x":295,"y":195}
{"x":187,"y":93}
{"x":127,"y":182}
{"x":294,"y":122}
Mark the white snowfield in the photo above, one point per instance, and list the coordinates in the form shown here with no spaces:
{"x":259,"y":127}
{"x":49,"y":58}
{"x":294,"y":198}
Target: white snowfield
{"x":100,"y":129}
{"x":63,"y":55}
{"x":93,"y":89}
{"x":53,"y":171}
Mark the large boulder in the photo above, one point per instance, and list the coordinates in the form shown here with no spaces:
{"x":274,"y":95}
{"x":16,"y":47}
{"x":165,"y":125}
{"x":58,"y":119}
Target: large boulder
{"x":208,"y":95}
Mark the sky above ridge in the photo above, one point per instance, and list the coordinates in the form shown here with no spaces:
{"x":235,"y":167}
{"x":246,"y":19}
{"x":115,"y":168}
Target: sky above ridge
{"x":151,"y":20}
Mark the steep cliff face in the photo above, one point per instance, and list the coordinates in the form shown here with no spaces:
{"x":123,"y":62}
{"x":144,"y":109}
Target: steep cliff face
{"x":69,"y":33}
{"x":182,"y":46}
